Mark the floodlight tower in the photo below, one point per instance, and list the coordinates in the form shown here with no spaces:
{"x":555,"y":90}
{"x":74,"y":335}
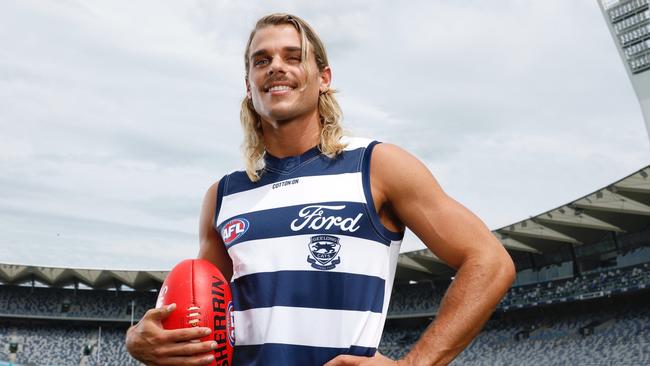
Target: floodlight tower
{"x":629,"y":24}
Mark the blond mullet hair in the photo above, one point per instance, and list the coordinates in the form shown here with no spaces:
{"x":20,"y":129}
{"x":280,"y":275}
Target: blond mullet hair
{"x":328,"y":108}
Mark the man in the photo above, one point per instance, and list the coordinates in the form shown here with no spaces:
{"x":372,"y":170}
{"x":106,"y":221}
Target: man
{"x":319,"y":221}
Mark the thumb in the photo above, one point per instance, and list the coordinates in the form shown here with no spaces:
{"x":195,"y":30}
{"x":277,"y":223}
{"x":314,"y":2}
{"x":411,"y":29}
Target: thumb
{"x":161,"y":312}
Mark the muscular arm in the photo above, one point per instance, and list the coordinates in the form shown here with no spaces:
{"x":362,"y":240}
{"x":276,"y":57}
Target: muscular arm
{"x":455,"y":235}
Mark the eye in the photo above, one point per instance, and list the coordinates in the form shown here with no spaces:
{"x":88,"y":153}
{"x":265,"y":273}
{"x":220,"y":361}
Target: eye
{"x":295,"y":59}
{"x":261,"y":62}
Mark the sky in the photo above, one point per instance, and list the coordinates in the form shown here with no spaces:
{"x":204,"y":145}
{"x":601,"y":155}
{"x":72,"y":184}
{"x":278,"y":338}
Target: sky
{"x":115,"y":117}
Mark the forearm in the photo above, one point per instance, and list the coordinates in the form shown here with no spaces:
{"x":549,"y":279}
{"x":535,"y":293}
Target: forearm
{"x":475,"y":292}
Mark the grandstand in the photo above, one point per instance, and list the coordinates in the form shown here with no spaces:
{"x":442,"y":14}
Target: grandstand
{"x":52,"y":343}
{"x":606,"y":331}
{"x":67,"y":326}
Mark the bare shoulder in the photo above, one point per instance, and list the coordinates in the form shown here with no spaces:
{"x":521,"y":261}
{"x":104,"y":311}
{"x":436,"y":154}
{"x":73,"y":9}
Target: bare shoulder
{"x":445,"y":226}
{"x":392,"y":158}
{"x":386,"y":152}
{"x":211,"y":246}
{"x":395,"y":172}
{"x":210,"y":196}
{"x":208,"y":209}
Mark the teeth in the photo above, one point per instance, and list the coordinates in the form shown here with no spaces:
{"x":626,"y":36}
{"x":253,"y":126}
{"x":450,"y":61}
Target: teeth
{"x":280,"y":87}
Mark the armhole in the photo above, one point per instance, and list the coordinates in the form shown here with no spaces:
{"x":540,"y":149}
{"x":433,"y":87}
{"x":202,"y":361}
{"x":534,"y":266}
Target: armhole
{"x":370,"y":203}
{"x":220,"y":190}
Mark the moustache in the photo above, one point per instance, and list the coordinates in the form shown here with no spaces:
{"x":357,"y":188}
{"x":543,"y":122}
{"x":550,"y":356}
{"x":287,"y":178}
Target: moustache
{"x":283,"y":80}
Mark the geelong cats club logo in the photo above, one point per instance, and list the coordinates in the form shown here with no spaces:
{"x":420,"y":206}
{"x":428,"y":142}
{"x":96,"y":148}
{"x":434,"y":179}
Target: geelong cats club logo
{"x":323,"y":251}
{"x":234,"y":229}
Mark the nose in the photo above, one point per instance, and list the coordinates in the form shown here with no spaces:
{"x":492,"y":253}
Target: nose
{"x":277,"y":66}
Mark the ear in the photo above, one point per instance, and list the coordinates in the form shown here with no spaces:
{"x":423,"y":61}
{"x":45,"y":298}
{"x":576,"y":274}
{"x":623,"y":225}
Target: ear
{"x":248,"y":89}
{"x":325,"y":79}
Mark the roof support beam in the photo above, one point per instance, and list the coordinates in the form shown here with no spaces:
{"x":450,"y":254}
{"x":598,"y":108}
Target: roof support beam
{"x":11,"y":271}
{"x":570,"y":217}
{"x":604,"y":200}
{"x":510,"y":243}
{"x":531,"y":229}
{"x":639,"y":182}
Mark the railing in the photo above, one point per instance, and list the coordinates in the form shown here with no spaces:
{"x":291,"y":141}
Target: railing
{"x":126,"y":320}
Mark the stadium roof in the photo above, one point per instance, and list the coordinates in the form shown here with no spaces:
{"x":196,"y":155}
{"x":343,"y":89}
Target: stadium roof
{"x":623,"y":206}
{"x":95,"y":278}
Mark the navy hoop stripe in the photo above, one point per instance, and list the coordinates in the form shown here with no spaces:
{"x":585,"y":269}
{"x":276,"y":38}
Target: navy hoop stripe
{"x":309,"y":289}
{"x":346,"y":162}
{"x":282,"y":217}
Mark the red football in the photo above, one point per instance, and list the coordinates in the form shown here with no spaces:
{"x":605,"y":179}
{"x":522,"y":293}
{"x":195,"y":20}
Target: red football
{"x":203,"y":299}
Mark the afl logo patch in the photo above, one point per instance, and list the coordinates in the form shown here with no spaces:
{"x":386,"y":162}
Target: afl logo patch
{"x":233,"y":230}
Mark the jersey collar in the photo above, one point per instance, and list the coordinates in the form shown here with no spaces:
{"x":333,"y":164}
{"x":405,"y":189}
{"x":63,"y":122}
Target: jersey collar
{"x":291,"y":162}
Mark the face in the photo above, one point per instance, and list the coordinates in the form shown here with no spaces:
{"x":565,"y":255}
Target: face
{"x":277,"y":83}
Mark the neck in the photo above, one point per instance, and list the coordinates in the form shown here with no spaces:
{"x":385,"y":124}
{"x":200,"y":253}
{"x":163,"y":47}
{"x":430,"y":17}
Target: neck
{"x":292,"y":137}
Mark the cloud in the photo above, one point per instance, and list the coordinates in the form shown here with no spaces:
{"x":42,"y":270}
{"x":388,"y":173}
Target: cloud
{"x":31,"y":237}
{"x":116,"y":117}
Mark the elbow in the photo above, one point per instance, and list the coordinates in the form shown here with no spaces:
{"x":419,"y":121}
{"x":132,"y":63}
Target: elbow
{"x":501,"y":268}
{"x":504,"y":272}
{"x":508,"y":268}
{"x":504,"y":267}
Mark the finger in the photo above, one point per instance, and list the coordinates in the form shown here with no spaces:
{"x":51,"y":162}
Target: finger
{"x":345,"y":360}
{"x":186,"y":334}
{"x":188,"y":349}
{"x":160,"y":313}
{"x":186,"y":361}
{"x":382,"y":357}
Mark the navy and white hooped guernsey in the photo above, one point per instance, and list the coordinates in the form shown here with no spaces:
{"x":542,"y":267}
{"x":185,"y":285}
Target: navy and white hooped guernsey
{"x":313,"y":266}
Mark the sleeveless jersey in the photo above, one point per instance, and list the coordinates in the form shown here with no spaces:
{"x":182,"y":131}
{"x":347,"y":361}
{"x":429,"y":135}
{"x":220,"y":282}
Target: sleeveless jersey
{"x":313,"y":266}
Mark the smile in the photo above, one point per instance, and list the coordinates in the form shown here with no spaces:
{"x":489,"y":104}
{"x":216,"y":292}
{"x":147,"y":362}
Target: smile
{"x":279,"y":88}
